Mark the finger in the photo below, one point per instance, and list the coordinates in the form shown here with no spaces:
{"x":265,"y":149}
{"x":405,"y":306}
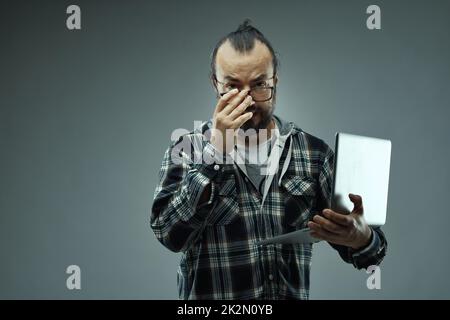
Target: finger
{"x":234,"y":102}
{"x":318,"y":232}
{"x":329,"y":225}
{"x":357,"y":203}
{"x":315,"y":235}
{"x":317,"y":227}
{"x":248,"y":101}
{"x":314,"y":226}
{"x":242,"y":119}
{"x":223,"y":100}
{"x":342,"y":219}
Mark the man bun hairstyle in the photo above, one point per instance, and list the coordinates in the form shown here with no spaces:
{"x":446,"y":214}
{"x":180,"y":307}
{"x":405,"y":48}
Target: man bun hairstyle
{"x":243,"y":40}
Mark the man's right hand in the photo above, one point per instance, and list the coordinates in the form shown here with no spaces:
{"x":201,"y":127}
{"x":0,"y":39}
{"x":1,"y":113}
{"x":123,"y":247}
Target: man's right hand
{"x":230,"y":114}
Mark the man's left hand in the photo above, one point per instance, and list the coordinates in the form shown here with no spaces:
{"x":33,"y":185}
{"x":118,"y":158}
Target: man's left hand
{"x":350,"y":230}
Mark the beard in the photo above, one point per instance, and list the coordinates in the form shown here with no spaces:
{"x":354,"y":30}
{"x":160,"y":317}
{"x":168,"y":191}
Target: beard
{"x":262,"y":115}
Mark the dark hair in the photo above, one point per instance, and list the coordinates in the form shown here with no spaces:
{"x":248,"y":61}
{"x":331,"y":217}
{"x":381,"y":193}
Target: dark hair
{"x":243,"y":40}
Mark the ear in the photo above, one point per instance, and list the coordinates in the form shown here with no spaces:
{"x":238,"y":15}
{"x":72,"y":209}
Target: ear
{"x":275,"y":80}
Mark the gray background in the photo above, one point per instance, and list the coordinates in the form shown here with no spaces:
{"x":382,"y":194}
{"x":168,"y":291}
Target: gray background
{"x":86,"y":116}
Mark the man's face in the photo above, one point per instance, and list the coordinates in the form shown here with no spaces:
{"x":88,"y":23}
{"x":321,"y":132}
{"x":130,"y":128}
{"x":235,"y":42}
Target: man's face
{"x":249,"y":70}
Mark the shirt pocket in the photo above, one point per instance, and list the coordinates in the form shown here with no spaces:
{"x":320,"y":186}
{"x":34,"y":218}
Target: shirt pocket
{"x":299,"y":200}
{"x":226,"y":209}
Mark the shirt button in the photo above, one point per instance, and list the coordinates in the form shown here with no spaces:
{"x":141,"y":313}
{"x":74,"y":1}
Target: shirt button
{"x":270,"y":277}
{"x":216,"y":167}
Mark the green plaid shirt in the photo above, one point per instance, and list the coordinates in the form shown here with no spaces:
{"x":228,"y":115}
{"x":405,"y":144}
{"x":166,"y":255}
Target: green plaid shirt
{"x":220,"y":259}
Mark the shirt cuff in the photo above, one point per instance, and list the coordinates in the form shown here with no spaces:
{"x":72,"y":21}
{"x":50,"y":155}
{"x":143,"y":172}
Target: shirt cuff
{"x":211,"y":197}
{"x":215,"y":162}
{"x":217,"y":155}
{"x":371,"y":248}
{"x":196,"y":184}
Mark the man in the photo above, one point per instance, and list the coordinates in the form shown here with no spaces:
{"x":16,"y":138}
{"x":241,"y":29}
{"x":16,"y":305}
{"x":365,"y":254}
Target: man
{"x":214,"y":212}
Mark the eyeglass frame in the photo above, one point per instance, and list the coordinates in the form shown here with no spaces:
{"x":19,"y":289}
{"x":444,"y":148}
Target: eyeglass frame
{"x":271,"y":89}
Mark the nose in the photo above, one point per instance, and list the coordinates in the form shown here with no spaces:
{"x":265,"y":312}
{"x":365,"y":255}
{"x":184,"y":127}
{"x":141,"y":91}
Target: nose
{"x":246,"y":87}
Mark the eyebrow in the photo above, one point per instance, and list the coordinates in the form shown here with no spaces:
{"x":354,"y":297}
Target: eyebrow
{"x":259,"y":78}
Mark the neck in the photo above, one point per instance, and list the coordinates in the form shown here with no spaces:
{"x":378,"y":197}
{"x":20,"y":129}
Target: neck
{"x":270,"y":127}
{"x":268,"y":135}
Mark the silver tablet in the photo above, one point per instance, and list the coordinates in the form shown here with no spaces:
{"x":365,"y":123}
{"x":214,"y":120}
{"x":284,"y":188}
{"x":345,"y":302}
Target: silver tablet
{"x":361,"y":167}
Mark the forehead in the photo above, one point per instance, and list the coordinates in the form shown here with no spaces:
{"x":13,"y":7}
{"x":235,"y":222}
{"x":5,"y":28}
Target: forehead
{"x":243,"y":65}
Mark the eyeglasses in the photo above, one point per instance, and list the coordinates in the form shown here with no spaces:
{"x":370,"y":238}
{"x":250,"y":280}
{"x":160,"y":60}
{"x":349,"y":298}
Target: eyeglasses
{"x":260,"y":93}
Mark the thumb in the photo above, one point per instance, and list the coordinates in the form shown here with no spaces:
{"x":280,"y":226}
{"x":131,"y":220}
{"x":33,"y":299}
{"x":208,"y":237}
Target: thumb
{"x":357,"y":203}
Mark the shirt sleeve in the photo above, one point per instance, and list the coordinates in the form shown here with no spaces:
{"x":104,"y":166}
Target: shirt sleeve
{"x":176,"y":216}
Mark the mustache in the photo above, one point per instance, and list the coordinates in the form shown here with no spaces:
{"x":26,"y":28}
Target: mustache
{"x":252,"y":108}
